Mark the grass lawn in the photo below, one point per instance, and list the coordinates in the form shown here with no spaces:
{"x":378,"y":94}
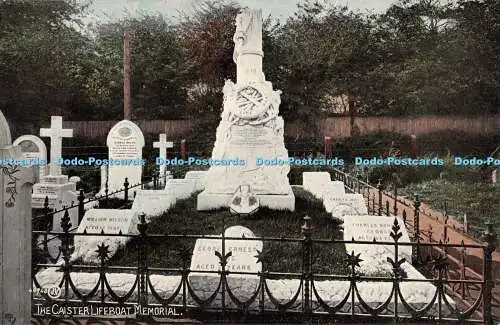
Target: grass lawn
{"x":479,"y":200}
{"x":183,"y":218}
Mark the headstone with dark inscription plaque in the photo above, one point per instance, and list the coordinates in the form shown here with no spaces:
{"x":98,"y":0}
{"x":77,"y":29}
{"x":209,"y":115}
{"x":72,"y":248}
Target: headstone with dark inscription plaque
{"x":125,"y":142}
{"x":33,"y":150}
{"x":109,"y":221}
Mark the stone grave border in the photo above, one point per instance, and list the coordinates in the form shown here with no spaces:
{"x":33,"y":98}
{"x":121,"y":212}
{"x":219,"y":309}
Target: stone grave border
{"x":306,"y":302}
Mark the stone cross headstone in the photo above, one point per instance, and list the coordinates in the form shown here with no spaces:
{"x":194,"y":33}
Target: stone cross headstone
{"x":33,"y":148}
{"x":163,"y":145}
{"x":15,"y":230}
{"x":61,"y":193}
{"x":125,"y":142}
{"x":56,"y":133}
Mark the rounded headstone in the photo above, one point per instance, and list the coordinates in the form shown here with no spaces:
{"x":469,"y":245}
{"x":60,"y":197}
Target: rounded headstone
{"x":239,"y":231}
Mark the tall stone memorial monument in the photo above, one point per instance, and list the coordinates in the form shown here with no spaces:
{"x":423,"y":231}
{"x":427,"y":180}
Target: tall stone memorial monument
{"x":15,"y":228}
{"x":250,"y":128}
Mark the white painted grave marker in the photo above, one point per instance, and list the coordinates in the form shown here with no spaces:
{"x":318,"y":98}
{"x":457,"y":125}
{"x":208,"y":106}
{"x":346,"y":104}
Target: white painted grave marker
{"x":111,"y":221}
{"x":125,"y":141}
{"x":163,"y":145}
{"x":56,"y":133}
{"x":33,"y":148}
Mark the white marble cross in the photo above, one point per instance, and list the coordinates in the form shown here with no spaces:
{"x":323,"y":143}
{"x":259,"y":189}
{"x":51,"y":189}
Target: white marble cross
{"x":163,"y":144}
{"x":56,"y":133}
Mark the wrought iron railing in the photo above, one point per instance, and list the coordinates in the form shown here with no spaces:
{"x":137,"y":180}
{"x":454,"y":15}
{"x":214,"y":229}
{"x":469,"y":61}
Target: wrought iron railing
{"x":47,"y":215}
{"x":307,"y":302}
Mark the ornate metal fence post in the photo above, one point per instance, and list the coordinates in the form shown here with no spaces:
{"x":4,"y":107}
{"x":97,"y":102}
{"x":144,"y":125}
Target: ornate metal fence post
{"x":373,"y":203}
{"x":416,"y":231}
{"x":125,"y":186}
{"x":307,"y":264}
{"x":102,"y":253}
{"x":46,"y":212}
{"x":66,"y":249}
{"x":81,"y":207}
{"x":143,"y":263}
{"x":395,"y":199}
{"x":396,"y":263}
{"x":155,"y":178}
{"x":379,"y":188}
{"x":490,"y":241}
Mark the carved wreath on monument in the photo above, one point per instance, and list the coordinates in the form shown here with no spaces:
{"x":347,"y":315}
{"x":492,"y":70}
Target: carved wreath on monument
{"x":250,"y":104}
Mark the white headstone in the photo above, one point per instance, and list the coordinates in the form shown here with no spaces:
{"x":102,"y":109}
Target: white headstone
{"x":316,"y":182}
{"x":56,"y":133}
{"x":153,"y":202}
{"x":243,"y":252}
{"x":33,"y":149}
{"x":163,"y":145}
{"x":199,"y":177}
{"x":340,"y":205}
{"x":125,"y":142}
{"x":15,"y":227}
{"x":183,"y":188}
{"x":333,"y":188}
{"x":367,"y":228}
{"x":111,"y":221}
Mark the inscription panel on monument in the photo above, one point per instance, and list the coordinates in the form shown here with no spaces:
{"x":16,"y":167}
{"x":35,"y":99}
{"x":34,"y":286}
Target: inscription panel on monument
{"x":367,"y":228}
{"x":30,"y":150}
{"x":109,"y":220}
{"x":124,"y":144}
{"x":243,"y":253}
{"x":250,"y":136}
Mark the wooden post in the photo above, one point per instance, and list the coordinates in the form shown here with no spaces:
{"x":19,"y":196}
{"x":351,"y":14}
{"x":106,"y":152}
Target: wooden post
{"x":184,"y":152}
{"x":126,"y":76}
{"x":413,"y":146}
{"x":328,"y":147}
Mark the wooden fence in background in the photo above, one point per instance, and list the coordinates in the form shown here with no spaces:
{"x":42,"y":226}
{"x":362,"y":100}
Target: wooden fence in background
{"x":336,"y":127}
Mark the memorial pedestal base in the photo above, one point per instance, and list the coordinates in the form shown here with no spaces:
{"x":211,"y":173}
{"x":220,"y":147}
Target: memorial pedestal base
{"x":213,"y":201}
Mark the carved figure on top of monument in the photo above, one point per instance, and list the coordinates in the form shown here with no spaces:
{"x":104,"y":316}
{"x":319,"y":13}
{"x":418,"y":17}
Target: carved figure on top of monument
{"x":248,"y":46}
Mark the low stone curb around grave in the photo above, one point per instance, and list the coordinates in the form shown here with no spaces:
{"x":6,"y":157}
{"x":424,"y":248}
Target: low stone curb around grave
{"x":331,"y":291}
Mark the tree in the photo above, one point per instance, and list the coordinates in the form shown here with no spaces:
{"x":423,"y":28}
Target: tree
{"x":160,"y":71}
{"x":38,"y":45}
{"x":325,"y":51}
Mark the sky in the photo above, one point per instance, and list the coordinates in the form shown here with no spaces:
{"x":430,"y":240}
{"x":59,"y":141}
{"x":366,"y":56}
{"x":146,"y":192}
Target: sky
{"x":115,"y":9}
